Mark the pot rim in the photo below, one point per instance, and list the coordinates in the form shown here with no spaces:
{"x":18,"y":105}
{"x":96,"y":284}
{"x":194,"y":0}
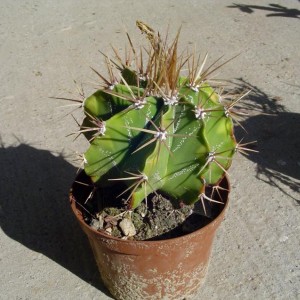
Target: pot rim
{"x":153,"y":242}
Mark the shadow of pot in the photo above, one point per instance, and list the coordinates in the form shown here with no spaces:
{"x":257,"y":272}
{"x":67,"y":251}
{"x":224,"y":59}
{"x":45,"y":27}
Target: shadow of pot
{"x":165,"y":269}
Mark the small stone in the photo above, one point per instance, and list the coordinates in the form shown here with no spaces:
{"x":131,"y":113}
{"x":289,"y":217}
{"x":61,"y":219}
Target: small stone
{"x":95,"y":224}
{"x":108,"y":230}
{"x":127,"y":227}
{"x":111,"y":220}
{"x":101,"y":221}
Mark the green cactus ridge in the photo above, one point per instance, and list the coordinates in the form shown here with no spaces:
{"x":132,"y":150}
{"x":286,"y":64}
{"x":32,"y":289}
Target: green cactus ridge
{"x":158,"y":132}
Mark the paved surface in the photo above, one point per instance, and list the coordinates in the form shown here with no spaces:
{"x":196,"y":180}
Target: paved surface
{"x":44,"y":45}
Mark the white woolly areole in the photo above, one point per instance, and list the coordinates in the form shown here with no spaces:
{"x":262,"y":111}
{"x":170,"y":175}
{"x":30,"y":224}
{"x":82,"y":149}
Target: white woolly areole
{"x":111,"y":87}
{"x":140,"y":103}
{"x":161,"y":135}
{"x":200,"y":113}
{"x":227,"y":112}
{"x":102,"y":128}
{"x":211,"y":157}
{"x":173,"y":100}
{"x":194,"y":87}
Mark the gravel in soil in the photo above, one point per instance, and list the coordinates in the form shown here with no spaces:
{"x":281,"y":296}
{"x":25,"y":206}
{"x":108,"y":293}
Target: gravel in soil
{"x":155,"y":221}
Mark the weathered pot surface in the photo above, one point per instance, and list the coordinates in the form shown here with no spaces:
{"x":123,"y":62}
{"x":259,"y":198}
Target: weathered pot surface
{"x":164,"y":269}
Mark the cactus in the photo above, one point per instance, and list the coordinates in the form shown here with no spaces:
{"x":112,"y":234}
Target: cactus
{"x":156,"y":130}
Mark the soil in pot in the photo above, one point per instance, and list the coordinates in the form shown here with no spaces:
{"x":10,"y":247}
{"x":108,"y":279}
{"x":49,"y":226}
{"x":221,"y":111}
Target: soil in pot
{"x":157,"y":219}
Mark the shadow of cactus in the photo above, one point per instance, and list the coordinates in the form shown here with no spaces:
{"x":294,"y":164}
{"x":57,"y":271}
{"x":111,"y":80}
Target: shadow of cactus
{"x":275,"y":9}
{"x":277,"y":132}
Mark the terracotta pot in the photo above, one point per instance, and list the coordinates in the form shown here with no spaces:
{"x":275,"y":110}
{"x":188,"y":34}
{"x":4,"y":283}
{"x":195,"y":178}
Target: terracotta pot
{"x":164,"y":269}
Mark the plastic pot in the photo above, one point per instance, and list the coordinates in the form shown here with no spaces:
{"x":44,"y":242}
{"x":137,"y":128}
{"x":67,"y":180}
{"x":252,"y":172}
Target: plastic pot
{"x":165,"y":269}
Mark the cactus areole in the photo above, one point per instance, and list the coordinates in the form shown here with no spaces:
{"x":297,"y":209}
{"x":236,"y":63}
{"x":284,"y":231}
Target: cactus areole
{"x":155,"y":129}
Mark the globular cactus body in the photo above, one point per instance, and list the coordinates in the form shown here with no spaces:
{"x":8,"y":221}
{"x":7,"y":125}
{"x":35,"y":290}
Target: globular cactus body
{"x":158,"y":132}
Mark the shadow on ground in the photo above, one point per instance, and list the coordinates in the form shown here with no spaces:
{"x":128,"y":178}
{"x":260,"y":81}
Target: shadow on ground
{"x":277,"y":133}
{"x":34,"y":209}
{"x":275,"y":10}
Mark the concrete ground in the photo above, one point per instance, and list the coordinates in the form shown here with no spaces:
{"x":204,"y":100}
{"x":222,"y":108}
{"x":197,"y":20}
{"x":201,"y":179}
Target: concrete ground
{"x":45,"y":45}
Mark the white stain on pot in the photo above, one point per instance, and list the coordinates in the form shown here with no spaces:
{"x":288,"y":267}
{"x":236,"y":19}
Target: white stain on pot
{"x":133,"y":287}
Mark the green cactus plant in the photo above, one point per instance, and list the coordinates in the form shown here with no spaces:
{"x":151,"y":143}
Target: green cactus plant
{"x":155,"y":129}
